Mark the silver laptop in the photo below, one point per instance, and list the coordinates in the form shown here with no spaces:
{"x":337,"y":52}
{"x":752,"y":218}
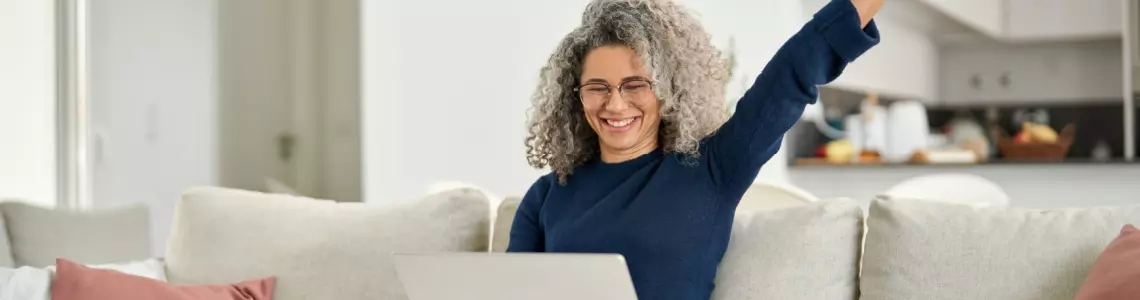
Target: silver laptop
{"x":514,"y":276}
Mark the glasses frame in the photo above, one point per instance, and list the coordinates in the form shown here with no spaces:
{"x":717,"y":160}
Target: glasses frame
{"x":610,"y":88}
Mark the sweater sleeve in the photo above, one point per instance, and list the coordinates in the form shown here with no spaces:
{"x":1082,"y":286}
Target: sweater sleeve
{"x":527,"y":234}
{"x":814,"y":56}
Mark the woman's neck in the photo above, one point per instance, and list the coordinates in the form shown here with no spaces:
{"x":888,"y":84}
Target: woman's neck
{"x":613,"y":156}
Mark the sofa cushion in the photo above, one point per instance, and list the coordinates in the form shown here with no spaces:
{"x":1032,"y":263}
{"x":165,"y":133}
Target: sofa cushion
{"x":6,"y":260}
{"x":40,"y":235}
{"x":803,"y":252}
{"x":930,"y":250}
{"x":153,"y":268}
{"x":316,"y":249}
{"x":504,"y":218}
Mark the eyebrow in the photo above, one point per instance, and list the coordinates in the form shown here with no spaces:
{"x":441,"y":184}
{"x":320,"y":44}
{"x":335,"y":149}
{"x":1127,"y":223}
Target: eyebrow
{"x":623,"y":80}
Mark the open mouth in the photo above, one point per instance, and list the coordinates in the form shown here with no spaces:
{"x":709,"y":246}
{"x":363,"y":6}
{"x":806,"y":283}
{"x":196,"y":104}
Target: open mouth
{"x":620,"y":124}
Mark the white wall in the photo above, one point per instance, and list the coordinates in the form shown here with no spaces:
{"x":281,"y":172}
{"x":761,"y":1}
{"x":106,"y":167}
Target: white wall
{"x":1032,"y":185}
{"x":28,"y":102}
{"x":152,"y":90}
{"x":759,"y":28}
{"x":446,"y":91}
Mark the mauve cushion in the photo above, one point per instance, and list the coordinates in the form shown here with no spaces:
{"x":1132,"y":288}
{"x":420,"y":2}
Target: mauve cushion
{"x":1116,"y":274}
{"x":74,"y":281}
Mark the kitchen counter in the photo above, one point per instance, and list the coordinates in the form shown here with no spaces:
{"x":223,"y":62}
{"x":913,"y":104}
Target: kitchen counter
{"x":1032,"y":185}
{"x":1003,"y":163}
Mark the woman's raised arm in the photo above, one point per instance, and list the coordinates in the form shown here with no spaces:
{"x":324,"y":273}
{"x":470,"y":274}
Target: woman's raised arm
{"x":816,"y":55}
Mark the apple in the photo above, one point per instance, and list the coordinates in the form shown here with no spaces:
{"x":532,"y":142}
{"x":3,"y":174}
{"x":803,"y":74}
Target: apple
{"x":1023,"y":137}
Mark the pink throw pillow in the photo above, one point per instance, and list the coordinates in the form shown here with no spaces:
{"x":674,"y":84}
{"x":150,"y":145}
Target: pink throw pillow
{"x":74,"y":281}
{"x":1116,"y":274}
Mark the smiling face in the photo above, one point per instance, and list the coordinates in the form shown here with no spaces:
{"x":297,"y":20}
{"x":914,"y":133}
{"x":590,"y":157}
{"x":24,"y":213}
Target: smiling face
{"x":627,"y":121}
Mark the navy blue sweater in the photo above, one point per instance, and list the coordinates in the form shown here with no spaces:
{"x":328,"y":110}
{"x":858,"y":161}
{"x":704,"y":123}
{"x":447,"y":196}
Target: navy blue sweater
{"x":672,"y":219}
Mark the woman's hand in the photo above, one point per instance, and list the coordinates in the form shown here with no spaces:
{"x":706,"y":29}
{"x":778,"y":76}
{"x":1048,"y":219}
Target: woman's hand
{"x":867,"y":9}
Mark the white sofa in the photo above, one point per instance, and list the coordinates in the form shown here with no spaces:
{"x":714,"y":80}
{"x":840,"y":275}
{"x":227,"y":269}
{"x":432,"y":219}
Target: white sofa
{"x":35,"y":236}
{"x":914,"y":249}
{"x":322,"y":249}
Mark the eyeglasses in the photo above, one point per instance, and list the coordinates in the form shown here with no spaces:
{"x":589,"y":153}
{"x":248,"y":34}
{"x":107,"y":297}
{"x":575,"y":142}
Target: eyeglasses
{"x":597,"y":93}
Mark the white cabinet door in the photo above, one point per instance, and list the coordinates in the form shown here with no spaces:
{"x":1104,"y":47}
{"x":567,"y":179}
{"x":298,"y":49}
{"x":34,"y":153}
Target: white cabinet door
{"x":1002,"y":74}
{"x":904,"y":65}
{"x":1033,"y":20}
{"x":985,"y":16}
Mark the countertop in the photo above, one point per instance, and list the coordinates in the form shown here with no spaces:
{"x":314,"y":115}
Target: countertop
{"x":993,"y":163}
{"x":1030,"y":185}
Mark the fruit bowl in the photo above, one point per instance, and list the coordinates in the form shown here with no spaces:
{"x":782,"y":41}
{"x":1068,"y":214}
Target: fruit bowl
{"x":1018,"y":149}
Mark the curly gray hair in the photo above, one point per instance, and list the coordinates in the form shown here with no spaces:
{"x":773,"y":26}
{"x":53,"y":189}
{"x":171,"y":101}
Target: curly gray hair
{"x":688,"y":72}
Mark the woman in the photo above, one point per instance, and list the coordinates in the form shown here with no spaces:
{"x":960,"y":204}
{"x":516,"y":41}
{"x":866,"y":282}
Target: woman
{"x":628,"y":115}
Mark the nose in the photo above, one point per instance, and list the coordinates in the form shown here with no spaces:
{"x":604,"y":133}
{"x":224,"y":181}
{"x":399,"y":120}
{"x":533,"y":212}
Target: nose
{"x":616,"y":102}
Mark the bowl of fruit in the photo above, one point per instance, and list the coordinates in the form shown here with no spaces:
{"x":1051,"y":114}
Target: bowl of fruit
{"x":1036,"y":142}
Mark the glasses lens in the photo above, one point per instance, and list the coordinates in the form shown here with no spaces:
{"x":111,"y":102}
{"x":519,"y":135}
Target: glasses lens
{"x":636,"y":89}
{"x":594,"y":93}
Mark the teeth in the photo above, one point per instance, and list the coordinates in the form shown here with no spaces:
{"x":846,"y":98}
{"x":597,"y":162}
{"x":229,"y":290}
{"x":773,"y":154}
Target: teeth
{"x":619,"y":123}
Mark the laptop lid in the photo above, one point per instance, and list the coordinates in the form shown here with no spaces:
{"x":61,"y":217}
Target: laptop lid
{"x":514,"y":276}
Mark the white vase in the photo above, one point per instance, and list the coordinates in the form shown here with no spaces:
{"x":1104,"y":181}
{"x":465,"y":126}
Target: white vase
{"x":908,"y":130}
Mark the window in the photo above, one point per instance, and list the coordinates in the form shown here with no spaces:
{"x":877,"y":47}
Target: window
{"x":28,"y":97}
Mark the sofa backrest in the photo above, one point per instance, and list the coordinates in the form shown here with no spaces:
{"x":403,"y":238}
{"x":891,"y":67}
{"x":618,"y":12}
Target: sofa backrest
{"x":931,"y":250}
{"x":810,"y":251}
{"x":316,"y":249}
{"x":914,"y":249}
{"x":504,"y":218}
{"x":6,"y":259}
{"x":39,"y":235}
{"x":805,"y":252}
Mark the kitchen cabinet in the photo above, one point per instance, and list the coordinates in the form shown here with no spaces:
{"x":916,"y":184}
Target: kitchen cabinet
{"x":1022,"y":21}
{"x":1037,"y":74}
{"x":985,"y":16}
{"x":903,"y":66}
{"x":966,"y":52}
{"x":1035,"y":20}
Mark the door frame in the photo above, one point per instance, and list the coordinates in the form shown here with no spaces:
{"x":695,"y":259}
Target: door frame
{"x":73,"y":143}
{"x":305,"y":124}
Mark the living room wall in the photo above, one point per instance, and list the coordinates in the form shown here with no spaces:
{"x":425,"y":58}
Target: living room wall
{"x":27,"y":102}
{"x":153,"y":103}
{"x":446,"y":90}
{"x":156,"y":75}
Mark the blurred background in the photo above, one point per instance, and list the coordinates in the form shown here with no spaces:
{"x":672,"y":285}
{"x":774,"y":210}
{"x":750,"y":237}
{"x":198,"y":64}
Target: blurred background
{"x":110,"y":102}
